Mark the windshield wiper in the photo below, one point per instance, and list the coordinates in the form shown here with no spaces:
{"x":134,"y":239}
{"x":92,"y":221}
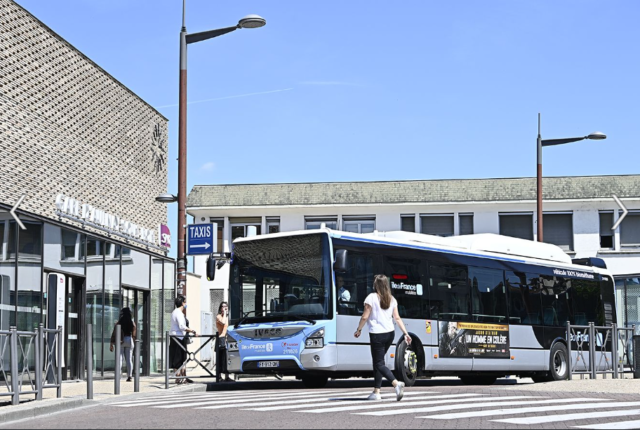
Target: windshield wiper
{"x":299,"y":317}
{"x":246,"y":317}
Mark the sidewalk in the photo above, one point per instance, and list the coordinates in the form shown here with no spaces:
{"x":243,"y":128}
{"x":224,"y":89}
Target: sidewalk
{"x":74,"y":395}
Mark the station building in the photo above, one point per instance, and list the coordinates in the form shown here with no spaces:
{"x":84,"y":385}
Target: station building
{"x":88,"y":157}
{"x":579,"y":213}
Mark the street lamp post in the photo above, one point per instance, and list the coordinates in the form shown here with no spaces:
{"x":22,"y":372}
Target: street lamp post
{"x":249,"y":21}
{"x":550,"y":142}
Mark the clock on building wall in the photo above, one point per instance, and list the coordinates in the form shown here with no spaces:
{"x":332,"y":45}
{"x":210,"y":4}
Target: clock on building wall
{"x":157,"y":150}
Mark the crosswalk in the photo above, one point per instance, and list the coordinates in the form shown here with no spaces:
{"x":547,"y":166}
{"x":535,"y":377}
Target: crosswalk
{"x":422,"y":403}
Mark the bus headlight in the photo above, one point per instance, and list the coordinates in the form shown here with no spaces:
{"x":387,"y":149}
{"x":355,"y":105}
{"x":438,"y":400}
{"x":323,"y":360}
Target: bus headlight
{"x":315,"y":340}
{"x":232,"y":344}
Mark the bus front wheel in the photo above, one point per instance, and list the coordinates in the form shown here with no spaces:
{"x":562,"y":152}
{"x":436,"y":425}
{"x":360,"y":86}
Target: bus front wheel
{"x":315,"y":381}
{"x":406,"y":364}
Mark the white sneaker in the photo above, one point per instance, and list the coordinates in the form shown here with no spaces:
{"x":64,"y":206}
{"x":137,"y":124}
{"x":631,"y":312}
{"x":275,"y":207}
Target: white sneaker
{"x":374,"y":396}
{"x":399,"y":391}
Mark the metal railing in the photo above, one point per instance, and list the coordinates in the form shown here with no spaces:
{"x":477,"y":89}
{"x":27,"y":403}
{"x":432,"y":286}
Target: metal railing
{"x":26,"y":351}
{"x":597,"y":350}
{"x":190,"y":356}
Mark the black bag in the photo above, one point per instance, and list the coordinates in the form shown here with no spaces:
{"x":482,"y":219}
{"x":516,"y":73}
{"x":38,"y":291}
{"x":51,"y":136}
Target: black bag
{"x":187,"y":339}
{"x":221,"y":343}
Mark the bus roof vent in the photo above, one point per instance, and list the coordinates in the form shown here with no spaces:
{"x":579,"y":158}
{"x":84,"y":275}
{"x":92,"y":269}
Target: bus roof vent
{"x":590,"y":261}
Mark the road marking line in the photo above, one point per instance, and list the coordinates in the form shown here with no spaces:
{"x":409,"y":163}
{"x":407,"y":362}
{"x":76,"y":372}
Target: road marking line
{"x":224,"y":403}
{"x":392,"y":403}
{"x":334,"y":401}
{"x":569,"y":417}
{"x":492,"y":402}
{"x":615,"y":426}
{"x":516,"y":411}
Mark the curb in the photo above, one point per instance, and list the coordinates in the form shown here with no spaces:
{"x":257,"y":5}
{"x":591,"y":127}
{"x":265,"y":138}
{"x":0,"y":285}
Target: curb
{"x":39,"y":408}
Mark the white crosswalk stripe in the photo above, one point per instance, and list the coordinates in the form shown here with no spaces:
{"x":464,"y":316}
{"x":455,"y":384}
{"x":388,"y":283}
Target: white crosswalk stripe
{"x":430,"y":400}
{"x":569,"y":417}
{"x":349,"y":401}
{"x":614,"y":426}
{"x":516,"y":411}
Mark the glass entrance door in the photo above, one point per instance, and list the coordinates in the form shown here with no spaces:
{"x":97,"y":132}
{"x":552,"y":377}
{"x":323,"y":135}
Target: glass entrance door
{"x":138,"y":302}
{"x":74,"y":317}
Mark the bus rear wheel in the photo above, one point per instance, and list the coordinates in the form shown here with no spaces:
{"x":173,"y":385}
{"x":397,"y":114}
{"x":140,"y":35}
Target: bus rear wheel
{"x":406,"y":364}
{"x":315,"y":381}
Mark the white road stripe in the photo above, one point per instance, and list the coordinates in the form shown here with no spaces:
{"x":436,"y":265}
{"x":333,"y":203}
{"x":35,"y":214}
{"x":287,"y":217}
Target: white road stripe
{"x":607,"y":404}
{"x":221,"y":403}
{"x":334,"y":401}
{"x":568,"y":417}
{"x":615,"y":426}
{"x":495,"y":401}
{"x":291,"y":404}
{"x":180,"y":397}
{"x":209,"y":396}
{"x":392,"y":403}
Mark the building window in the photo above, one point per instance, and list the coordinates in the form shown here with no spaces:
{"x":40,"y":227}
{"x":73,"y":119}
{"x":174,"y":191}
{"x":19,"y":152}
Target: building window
{"x":466,"y":223}
{"x":72,"y":245}
{"x":437,"y":225}
{"x":408,"y":223}
{"x":314,"y":222}
{"x":630,"y":230}
{"x":242,"y":227}
{"x":220,"y":223}
{"x":273,"y":224}
{"x":359,"y":224}
{"x":606,"y":234}
{"x":517,"y":225}
{"x":558,"y":230}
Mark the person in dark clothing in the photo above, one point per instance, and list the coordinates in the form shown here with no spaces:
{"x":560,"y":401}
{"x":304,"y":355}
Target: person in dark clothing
{"x":128,"y":334}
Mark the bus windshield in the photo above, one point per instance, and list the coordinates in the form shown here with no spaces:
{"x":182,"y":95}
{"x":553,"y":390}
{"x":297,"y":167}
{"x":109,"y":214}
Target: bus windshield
{"x":281,"y":279}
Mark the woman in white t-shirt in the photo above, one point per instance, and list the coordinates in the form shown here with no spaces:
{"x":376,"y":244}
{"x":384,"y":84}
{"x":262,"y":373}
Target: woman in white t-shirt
{"x":380,"y":310}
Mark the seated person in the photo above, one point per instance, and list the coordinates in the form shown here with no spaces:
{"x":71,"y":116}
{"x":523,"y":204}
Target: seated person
{"x":345,"y":305}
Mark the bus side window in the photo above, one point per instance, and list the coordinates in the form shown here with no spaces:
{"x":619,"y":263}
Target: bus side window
{"x":524,"y":298}
{"x":449,"y":292}
{"x":358,"y":280}
{"x":406,"y":287}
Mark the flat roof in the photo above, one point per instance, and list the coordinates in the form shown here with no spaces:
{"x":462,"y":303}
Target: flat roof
{"x":413,"y":191}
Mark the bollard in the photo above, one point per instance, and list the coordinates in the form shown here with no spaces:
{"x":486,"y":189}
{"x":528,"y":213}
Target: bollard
{"x":60,"y":346}
{"x":15,"y":388}
{"x":116,"y":381}
{"x":89,"y":362}
{"x":636,"y":356}
{"x":614,"y":350}
{"x":592,"y":350}
{"x":166,"y":362}
{"x":569,"y":349}
{"x":136,"y":367}
{"x":38,"y":363}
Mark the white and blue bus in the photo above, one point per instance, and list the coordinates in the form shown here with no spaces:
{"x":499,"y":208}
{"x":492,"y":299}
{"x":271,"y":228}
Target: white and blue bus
{"x":478,"y":307}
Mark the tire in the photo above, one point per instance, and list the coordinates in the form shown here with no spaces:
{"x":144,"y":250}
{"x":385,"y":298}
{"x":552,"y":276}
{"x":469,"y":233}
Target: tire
{"x":558,"y":363}
{"x":406,"y":364}
{"x":315,"y":381}
{"x":478,"y":380}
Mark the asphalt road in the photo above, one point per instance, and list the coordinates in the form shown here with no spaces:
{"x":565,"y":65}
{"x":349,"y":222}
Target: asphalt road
{"x":343,"y":404}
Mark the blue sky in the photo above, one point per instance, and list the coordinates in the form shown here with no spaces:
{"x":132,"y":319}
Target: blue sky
{"x":370,"y":90}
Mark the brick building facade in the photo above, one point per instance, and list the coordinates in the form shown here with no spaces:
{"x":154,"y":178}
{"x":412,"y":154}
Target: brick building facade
{"x":89,"y":156}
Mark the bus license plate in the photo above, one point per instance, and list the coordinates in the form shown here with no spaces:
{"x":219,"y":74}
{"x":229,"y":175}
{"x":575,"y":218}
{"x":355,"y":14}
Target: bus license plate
{"x":267,"y":364}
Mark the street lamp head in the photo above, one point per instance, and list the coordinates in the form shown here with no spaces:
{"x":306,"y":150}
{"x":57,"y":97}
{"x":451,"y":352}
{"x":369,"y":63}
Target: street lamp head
{"x":166,"y":198}
{"x":597,"y":136}
{"x":252,"y":21}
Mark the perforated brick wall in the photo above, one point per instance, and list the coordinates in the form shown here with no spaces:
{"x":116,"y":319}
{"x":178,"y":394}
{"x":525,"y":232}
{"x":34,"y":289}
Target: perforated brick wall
{"x":67,"y":126}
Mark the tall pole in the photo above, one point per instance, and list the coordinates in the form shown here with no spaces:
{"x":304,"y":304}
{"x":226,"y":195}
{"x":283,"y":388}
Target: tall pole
{"x":182,"y":161}
{"x":539,"y":187}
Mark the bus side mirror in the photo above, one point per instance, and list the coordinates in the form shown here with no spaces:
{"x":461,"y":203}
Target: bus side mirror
{"x":211,"y":268}
{"x":340,"y":265}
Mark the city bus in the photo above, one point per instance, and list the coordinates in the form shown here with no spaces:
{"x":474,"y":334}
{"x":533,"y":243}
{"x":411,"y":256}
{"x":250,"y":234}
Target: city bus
{"x":478,"y":307}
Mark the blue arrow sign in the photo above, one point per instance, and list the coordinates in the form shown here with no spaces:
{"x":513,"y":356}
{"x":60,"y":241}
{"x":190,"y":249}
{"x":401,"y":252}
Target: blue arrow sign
{"x":200,"y":239}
